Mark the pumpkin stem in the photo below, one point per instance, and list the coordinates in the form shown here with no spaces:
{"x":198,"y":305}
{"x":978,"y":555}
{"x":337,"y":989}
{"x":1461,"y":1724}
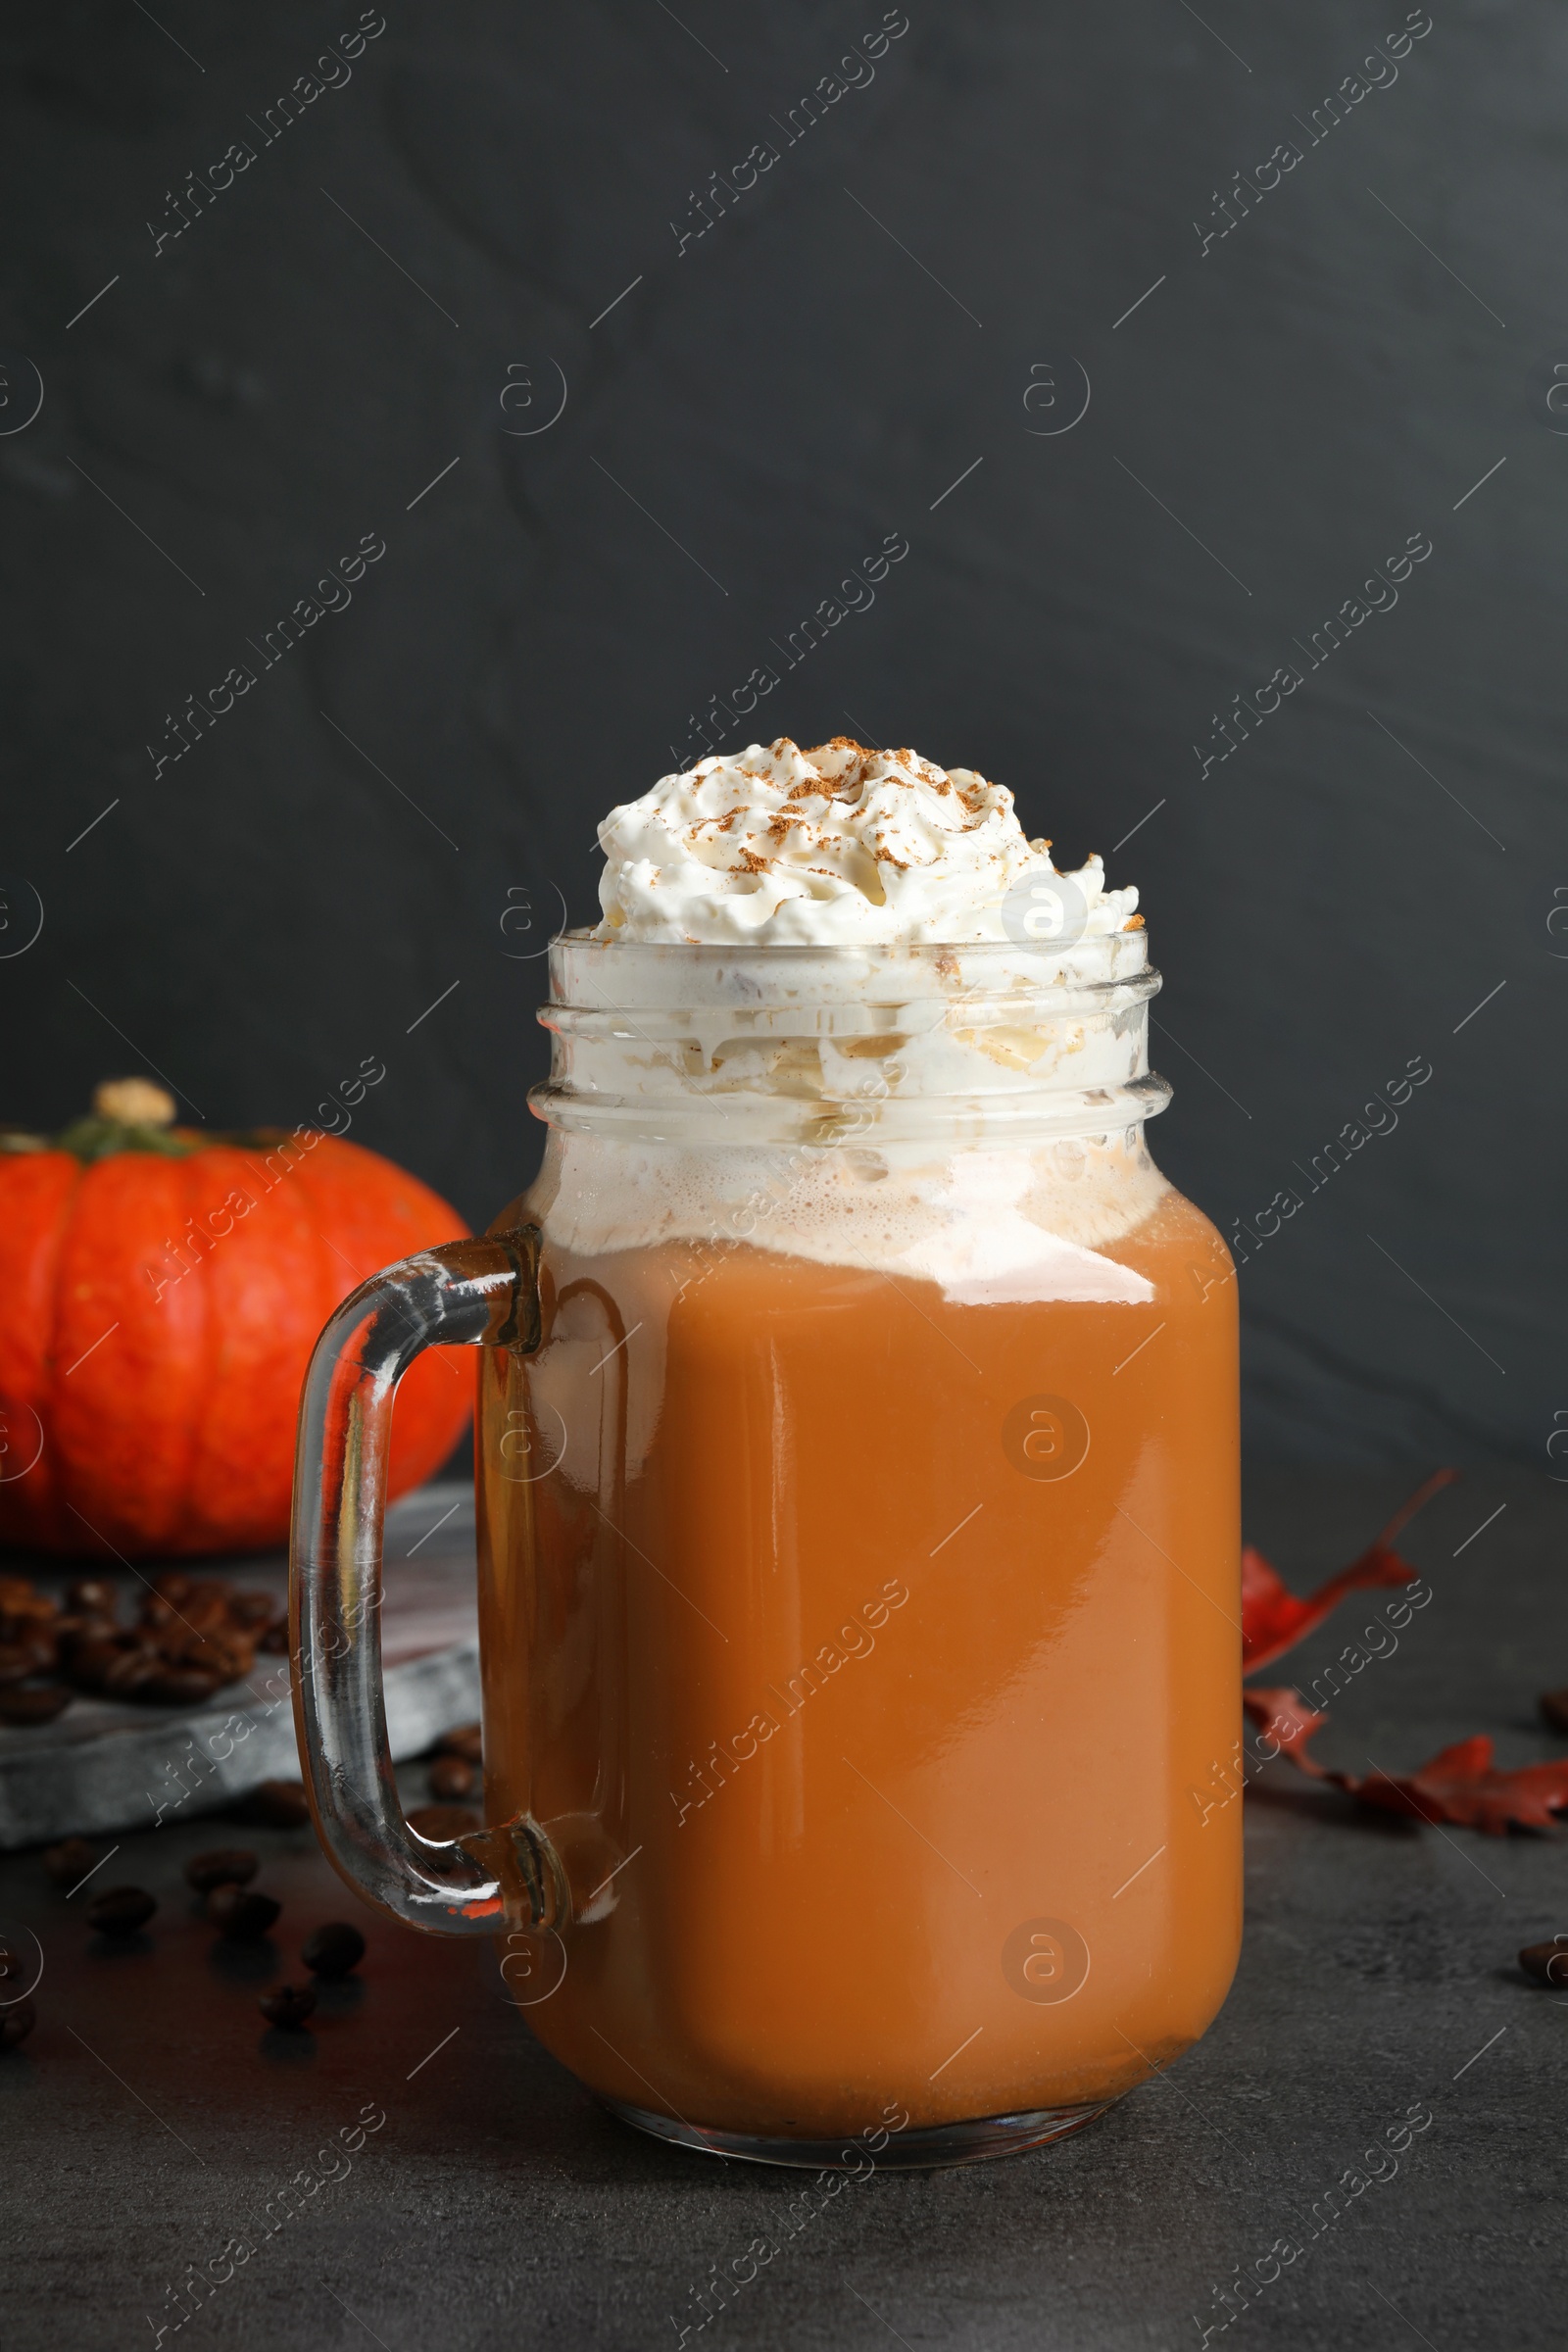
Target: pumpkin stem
{"x":133,"y":1103}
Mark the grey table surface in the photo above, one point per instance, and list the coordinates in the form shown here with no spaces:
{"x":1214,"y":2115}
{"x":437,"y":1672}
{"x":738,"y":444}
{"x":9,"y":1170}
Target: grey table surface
{"x":152,"y":2118}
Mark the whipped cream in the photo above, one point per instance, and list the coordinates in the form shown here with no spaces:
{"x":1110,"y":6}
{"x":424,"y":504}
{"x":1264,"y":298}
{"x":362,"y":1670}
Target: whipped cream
{"x":838,"y":845}
{"x":949,"y":1091}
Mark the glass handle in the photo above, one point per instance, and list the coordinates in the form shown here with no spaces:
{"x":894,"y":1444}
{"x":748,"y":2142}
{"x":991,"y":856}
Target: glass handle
{"x":476,"y":1294}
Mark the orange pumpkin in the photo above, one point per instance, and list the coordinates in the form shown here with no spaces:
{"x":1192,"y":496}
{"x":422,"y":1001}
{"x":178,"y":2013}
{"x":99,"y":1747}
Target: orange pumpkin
{"x":160,"y":1290}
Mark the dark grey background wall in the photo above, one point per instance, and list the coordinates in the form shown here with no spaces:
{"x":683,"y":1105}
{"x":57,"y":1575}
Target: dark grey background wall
{"x":370,"y":330}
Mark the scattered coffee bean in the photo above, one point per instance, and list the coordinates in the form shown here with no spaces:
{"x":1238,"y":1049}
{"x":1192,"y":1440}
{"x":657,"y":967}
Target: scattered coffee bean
{"x":92,"y":1595}
{"x":443,"y":1821}
{"x":69,"y":1861}
{"x":205,"y":1607}
{"x":239,"y":1915}
{"x":226,"y":1866}
{"x":276,"y":1638}
{"x":452,"y":1779}
{"x":130,"y":1671}
{"x":120,"y":1910}
{"x":24,"y":1706}
{"x":229,"y":1655}
{"x":251,"y":1608}
{"x":184,"y":1630}
{"x":1548,"y":1963}
{"x":42,"y":1645}
{"x":466,"y":1741}
{"x":21,"y":1605}
{"x":333,"y":1950}
{"x":1554,"y":1707}
{"x":89,"y":1624}
{"x":89,"y":1658}
{"x":17,"y":2022}
{"x":224,"y":1656}
{"x":177,"y":1686}
{"x":289,"y":2006}
{"x":277,"y":1804}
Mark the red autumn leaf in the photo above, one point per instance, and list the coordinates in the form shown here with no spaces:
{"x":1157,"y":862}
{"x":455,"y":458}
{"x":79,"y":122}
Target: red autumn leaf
{"x":1274,"y":1618}
{"x":1285,"y":1717}
{"x":1460,"y":1786}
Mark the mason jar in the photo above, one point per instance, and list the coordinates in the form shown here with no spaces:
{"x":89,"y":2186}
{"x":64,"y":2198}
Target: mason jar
{"x":858,"y":1478}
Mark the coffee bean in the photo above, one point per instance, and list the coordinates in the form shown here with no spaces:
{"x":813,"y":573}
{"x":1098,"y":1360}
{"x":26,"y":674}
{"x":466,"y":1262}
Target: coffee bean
{"x":69,"y":1861}
{"x":466,"y":1741}
{"x":131,"y":1669}
{"x":16,"y":1662}
{"x":42,"y":1646}
{"x":23,"y":1706}
{"x":205,"y":1607}
{"x":88,"y":1661}
{"x":241,"y":1916}
{"x":17,"y":2022}
{"x":172,"y":1586}
{"x":26,"y":1607}
{"x":251,"y":1608}
{"x":157,"y":1614}
{"x":92,"y":1595}
{"x":177,"y":1686}
{"x":333,"y":1950}
{"x":289,"y":2006}
{"x":226,"y":1866}
{"x":87,"y":1624}
{"x":225,"y":1656}
{"x":120,"y":1910}
{"x":443,"y":1821}
{"x":277,"y":1804}
{"x":1554,"y":1707}
{"x":1548,"y":1963}
{"x":450,"y":1778}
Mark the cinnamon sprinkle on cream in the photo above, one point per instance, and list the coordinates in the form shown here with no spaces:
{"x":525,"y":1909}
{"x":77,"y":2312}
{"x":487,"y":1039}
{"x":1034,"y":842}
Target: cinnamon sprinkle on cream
{"x":835,"y":844}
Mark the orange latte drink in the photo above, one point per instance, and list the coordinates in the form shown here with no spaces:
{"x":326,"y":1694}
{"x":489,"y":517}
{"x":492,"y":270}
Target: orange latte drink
{"x":892,"y":1658}
{"x":858,"y":1493}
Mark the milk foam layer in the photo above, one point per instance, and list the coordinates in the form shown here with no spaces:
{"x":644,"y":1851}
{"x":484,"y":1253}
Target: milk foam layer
{"x":781,"y":847}
{"x":970,"y":1116}
{"x":985,"y":1227}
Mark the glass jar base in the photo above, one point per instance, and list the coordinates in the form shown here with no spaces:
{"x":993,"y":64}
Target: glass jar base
{"x":934,"y":2147}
